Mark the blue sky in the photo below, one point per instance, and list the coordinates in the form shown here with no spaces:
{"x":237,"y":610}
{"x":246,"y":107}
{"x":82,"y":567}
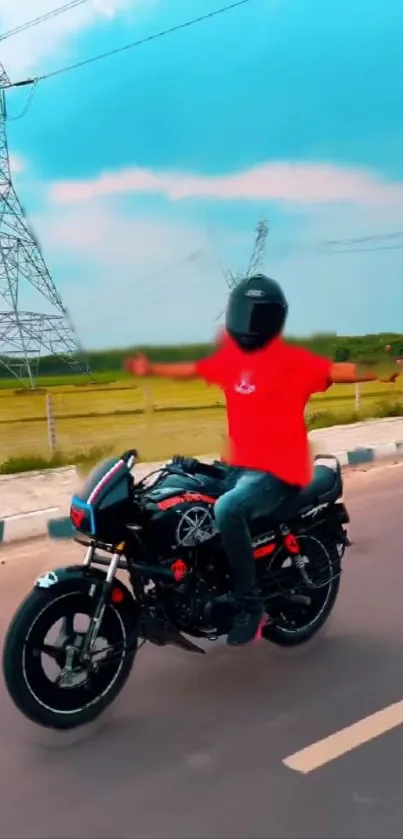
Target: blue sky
{"x":146,"y":172}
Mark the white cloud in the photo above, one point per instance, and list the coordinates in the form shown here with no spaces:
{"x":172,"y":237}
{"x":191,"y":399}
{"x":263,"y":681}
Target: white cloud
{"x":28,"y":51}
{"x":306,"y":183}
{"x":130,"y":279}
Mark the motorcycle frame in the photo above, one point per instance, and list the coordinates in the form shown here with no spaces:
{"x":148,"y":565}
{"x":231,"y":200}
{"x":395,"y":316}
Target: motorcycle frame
{"x":334,"y":514}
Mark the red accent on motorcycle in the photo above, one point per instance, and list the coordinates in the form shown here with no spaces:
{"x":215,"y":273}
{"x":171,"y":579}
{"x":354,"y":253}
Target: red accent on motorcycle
{"x":186,"y":498}
{"x":117,"y":595}
{"x":77,"y":517}
{"x":291,"y":544}
{"x":197,"y":496}
{"x":265,"y":550}
{"x":179,"y":570}
{"x":169,"y":502}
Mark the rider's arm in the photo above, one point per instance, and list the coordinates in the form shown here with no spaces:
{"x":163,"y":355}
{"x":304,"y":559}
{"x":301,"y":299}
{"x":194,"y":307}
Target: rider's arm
{"x":180,"y":370}
{"x":210,"y":369}
{"x":343,"y":373}
{"x":320,"y":373}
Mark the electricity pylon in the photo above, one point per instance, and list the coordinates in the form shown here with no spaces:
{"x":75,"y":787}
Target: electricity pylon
{"x":257,"y":258}
{"x":26,"y":336}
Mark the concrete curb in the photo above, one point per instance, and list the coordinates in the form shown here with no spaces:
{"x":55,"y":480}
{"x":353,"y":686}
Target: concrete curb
{"x":41,"y":522}
{"x":19,"y":528}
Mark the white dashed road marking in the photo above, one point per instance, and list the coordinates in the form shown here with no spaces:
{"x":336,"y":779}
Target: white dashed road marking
{"x":345,"y":740}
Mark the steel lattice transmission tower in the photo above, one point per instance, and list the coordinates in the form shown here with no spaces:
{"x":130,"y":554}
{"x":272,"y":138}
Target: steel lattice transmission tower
{"x":256,"y":262}
{"x":26,"y":336}
{"x":257,"y":259}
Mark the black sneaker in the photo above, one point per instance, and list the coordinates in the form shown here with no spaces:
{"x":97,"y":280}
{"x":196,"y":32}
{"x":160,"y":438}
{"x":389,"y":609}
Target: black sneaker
{"x":245,"y":627}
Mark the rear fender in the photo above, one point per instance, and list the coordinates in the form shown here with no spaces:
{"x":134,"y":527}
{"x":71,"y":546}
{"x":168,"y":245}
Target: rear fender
{"x":333,"y":517}
{"x":337,"y":519}
{"x":339,"y":512}
{"x":93,"y":578}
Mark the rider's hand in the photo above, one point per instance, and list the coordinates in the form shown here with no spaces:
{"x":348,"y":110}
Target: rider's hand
{"x":389,"y":379}
{"x":391,"y":373}
{"x":138,"y":366}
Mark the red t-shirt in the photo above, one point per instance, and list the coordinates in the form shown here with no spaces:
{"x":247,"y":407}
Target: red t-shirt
{"x":266,"y":393}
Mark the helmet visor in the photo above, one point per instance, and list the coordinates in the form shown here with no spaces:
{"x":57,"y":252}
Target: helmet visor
{"x":250,"y":317}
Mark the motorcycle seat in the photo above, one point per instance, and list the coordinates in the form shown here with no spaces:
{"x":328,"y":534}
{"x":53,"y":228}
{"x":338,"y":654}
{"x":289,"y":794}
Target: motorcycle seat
{"x":325,"y":488}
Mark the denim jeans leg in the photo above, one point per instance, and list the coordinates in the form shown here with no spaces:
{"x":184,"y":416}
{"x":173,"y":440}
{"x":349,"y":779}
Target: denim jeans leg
{"x":256,"y":493}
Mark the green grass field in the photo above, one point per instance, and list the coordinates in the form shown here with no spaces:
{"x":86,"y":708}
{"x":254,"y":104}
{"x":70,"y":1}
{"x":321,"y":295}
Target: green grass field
{"x":158,"y":416}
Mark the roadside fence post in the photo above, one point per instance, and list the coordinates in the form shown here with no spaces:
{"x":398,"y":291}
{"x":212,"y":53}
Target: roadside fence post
{"x":148,"y":408}
{"x":357,"y":397}
{"x":50,"y":422}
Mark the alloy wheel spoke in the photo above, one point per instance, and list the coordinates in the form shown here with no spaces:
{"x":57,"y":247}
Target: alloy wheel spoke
{"x":51,"y":650}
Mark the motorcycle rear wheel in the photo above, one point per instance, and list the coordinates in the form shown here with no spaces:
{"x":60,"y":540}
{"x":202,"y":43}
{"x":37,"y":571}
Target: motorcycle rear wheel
{"x":52,"y":704}
{"x":298,"y":624}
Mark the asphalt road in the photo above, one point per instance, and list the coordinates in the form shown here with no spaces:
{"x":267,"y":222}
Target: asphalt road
{"x":194,"y":747}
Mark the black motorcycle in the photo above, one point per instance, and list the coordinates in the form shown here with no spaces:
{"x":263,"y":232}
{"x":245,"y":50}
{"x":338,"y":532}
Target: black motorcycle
{"x":161,"y":531}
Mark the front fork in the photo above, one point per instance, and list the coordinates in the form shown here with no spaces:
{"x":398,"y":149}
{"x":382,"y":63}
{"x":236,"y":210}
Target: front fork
{"x":96,"y":620}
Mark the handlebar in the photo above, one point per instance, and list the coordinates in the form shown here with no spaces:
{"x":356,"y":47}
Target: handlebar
{"x":192,"y":466}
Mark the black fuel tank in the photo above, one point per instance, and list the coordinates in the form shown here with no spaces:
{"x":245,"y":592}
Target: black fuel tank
{"x":181,"y":512}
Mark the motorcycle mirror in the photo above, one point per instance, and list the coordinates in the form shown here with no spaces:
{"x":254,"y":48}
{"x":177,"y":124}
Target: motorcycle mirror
{"x":130,"y":458}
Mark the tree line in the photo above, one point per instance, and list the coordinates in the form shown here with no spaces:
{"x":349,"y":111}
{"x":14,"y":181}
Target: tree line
{"x":365,"y":348}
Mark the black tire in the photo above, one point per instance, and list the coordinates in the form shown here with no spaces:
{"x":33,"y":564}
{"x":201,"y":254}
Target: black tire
{"x":20,"y":665}
{"x":287,"y":636}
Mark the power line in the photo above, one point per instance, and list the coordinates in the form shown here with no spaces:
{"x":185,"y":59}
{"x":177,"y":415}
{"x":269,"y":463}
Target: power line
{"x":329,"y":247}
{"x":42,"y":18}
{"x":157,"y":35}
{"x":26,"y":107}
{"x":371,"y":238}
{"x":364,"y":250}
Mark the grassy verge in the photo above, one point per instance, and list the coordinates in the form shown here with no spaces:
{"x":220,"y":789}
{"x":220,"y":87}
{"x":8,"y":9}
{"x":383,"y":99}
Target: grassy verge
{"x":36,"y":463}
{"x":160,"y":435}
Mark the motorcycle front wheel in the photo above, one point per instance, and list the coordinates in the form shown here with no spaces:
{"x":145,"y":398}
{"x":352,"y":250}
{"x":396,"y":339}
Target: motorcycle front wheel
{"x":44,"y":676}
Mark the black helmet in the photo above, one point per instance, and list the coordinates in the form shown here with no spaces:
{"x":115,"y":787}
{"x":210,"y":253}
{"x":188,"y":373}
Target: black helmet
{"x":256,"y":312}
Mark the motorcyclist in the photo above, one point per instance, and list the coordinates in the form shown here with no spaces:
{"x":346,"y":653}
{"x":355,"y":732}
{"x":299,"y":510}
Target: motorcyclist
{"x":267,"y":384}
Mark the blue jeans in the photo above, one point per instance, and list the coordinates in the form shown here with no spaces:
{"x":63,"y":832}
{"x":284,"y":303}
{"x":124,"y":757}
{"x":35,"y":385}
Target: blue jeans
{"x":258,"y":494}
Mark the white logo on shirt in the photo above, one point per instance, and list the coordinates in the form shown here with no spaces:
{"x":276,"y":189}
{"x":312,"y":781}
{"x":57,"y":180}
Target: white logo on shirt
{"x":244,"y":385}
